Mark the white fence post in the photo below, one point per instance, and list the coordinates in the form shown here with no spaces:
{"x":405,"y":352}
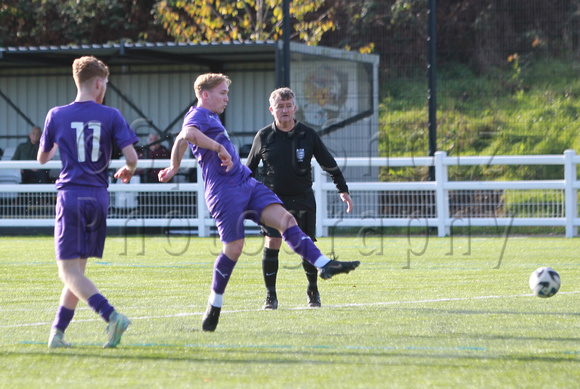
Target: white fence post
{"x":570,"y":191}
{"x":441,"y":194}
{"x":320,"y":198}
{"x":202,"y":212}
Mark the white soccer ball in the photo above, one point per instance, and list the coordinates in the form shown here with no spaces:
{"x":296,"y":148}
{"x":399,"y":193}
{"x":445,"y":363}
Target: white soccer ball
{"x":545,"y":282}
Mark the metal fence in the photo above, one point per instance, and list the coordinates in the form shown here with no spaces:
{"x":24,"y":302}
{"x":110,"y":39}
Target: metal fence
{"x":442,"y":203}
{"x":491,"y":55}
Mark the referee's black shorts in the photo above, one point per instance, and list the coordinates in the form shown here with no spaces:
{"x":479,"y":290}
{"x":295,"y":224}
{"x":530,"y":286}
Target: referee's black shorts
{"x":303,"y":208}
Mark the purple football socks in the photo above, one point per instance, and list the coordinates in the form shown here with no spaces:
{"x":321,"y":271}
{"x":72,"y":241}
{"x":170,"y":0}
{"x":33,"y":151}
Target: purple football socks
{"x":63,"y":318}
{"x":302,"y":245}
{"x":222,"y":270}
{"x":100,"y":305}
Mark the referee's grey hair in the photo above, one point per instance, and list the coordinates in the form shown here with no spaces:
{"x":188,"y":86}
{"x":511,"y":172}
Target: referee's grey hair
{"x":283,"y":94}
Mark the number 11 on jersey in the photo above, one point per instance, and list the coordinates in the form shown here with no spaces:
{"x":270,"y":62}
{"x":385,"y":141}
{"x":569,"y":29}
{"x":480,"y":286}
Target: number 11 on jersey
{"x":81,"y":141}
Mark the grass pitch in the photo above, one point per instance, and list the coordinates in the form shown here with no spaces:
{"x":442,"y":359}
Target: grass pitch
{"x":417,"y":313}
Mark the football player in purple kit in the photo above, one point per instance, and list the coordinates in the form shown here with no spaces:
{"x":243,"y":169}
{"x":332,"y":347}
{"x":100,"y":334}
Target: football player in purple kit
{"x":84,"y":132}
{"x":232,"y":195}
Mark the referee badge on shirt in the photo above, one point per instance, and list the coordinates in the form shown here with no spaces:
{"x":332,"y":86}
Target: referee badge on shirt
{"x":300,"y":155}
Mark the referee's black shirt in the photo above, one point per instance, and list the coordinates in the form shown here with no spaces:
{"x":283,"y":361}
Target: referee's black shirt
{"x":287,"y":169}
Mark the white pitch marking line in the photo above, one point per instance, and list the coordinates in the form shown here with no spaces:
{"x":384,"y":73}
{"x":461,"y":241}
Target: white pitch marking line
{"x":185,"y":314}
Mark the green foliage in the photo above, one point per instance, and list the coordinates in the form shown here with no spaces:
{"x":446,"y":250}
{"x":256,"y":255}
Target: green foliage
{"x":530,"y":107}
{"x":62,"y":22}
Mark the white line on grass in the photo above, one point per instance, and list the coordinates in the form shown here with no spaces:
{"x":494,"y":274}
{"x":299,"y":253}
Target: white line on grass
{"x":185,"y":314}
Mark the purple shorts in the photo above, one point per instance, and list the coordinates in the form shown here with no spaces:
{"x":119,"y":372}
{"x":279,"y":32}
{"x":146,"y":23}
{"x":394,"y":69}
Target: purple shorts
{"x":81,"y":223}
{"x":247,"y":202}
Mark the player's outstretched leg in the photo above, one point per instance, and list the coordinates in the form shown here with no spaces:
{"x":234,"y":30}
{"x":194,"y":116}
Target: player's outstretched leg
{"x":302,"y":245}
{"x":118,"y":324}
{"x":336,"y":267}
{"x":56,"y":339}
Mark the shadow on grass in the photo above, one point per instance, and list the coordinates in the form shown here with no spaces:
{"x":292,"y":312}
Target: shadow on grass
{"x":316,"y":355}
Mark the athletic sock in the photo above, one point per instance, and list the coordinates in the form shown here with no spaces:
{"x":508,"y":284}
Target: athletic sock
{"x":302,"y":245}
{"x":63,"y":318}
{"x":222,"y":270}
{"x":217,"y":300}
{"x":311,"y":275}
{"x":100,"y":305}
{"x":270,"y":268}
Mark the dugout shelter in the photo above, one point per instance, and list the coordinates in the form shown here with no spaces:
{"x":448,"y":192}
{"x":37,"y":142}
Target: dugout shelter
{"x":152,"y":85}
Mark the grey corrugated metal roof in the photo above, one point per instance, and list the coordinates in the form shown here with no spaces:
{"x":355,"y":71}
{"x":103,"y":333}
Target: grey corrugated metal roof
{"x":129,"y":53}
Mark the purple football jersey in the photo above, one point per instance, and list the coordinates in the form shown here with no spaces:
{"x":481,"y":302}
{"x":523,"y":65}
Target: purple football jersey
{"x":85,"y":133}
{"x":217,"y":181}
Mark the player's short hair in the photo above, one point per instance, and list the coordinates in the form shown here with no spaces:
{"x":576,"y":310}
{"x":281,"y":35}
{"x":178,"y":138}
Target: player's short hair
{"x":209,"y":81}
{"x":282,"y":93}
{"x":87,"y":67}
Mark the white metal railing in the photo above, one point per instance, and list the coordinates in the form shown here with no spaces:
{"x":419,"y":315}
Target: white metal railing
{"x":442,"y":203}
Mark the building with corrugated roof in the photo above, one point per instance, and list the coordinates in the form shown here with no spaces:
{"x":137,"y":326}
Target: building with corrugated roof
{"x":152,"y":85}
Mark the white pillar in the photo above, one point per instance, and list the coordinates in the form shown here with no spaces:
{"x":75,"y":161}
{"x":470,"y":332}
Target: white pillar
{"x":202,"y":211}
{"x":571,"y":193}
{"x":320,"y":197}
{"x":441,"y":194}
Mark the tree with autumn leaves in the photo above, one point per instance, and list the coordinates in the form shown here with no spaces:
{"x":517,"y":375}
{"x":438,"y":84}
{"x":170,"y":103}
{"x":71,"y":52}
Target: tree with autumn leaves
{"x":477,"y":32}
{"x":237,"y":20}
{"x":51,"y":22}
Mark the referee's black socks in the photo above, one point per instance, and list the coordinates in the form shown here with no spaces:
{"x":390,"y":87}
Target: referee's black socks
{"x":270,"y":269}
{"x":311,"y":274}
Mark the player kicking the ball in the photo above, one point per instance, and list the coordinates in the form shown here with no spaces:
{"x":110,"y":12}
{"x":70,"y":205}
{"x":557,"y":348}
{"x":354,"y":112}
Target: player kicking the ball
{"x":85,"y":131}
{"x":232,"y":195}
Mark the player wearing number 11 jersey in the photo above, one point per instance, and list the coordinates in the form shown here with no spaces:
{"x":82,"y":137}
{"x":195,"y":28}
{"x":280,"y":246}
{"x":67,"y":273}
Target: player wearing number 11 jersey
{"x":84,"y":133}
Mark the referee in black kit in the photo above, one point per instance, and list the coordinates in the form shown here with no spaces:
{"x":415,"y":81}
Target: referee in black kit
{"x":286,"y":147}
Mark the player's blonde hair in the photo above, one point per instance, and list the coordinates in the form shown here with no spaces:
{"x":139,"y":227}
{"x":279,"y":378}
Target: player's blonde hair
{"x":87,"y":67}
{"x":282,"y":93}
{"x":209,"y":81}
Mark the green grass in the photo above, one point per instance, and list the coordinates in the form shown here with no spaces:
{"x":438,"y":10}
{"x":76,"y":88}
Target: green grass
{"x":452,"y":319}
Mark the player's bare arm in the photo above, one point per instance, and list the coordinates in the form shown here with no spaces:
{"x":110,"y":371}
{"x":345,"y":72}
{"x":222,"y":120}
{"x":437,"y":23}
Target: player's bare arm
{"x":43,"y":157}
{"x":195,"y":136}
{"x":345,"y":197}
{"x":177,"y":153}
{"x":126,"y":172}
